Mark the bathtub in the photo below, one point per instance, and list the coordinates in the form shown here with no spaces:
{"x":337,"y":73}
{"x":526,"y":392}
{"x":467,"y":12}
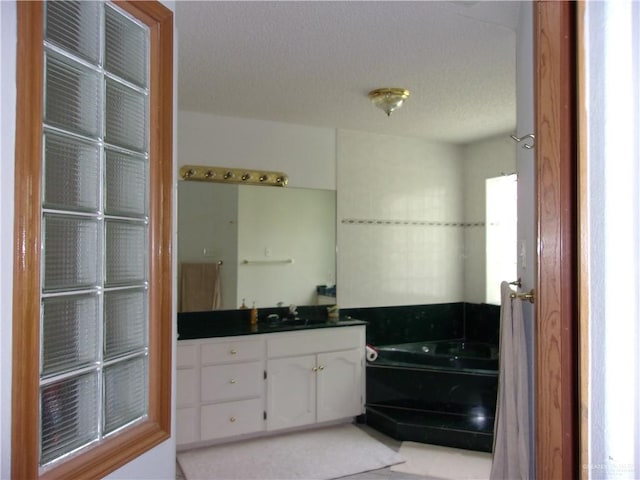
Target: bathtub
{"x":456,"y":355}
{"x":439,"y":392}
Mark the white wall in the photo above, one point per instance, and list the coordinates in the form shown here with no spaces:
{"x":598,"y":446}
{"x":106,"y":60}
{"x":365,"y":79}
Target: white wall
{"x":387,"y":178}
{"x":526,"y":194}
{"x":395,"y":178}
{"x":306,"y":154}
{"x":7,"y":143}
{"x":486,"y":158}
{"x":611,"y":35}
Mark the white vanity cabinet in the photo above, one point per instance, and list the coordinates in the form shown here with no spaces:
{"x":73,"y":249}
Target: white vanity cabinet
{"x":245,"y":385}
{"x":220,"y":394}
{"x":314,"y":376}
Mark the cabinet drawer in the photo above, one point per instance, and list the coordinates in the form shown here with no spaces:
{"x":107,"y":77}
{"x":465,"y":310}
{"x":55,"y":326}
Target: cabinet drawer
{"x":227,"y":382}
{"x":232,"y":351}
{"x":231,"y":418}
{"x":186,"y":356}
{"x":305,"y":343}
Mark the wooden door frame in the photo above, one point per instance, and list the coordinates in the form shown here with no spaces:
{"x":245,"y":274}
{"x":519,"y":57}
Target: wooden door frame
{"x":556,"y":405}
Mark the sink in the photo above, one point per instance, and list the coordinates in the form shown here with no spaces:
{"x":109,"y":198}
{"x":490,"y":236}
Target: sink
{"x":294,"y":322}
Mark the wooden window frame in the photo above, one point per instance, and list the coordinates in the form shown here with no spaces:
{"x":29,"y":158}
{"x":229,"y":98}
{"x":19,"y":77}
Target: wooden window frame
{"x":111,"y":453}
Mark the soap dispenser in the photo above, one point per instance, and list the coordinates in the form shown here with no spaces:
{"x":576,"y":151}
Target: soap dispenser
{"x":254,"y":314}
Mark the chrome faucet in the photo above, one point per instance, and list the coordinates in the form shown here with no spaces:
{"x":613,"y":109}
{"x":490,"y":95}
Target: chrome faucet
{"x":293,"y":311}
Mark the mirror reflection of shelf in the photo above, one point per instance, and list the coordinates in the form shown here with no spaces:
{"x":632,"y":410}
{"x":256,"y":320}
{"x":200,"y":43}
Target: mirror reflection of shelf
{"x":267,"y":262}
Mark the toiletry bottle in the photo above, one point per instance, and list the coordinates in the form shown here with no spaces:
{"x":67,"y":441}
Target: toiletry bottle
{"x":244,"y":305}
{"x":254,"y":314}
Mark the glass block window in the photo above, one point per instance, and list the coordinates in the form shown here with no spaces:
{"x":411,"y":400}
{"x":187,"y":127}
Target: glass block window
{"x":71,"y":173}
{"x":95,"y":226}
{"x":69,"y":408}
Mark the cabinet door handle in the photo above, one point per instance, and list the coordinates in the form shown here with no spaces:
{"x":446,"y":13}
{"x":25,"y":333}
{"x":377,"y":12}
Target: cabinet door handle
{"x":233,"y":351}
{"x":321,"y":367}
{"x":232,"y":381}
{"x":314,"y":369}
{"x":232,"y":419}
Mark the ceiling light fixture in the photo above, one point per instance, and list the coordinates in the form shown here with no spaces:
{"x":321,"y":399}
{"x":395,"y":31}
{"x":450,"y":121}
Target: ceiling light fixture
{"x":388,"y":99}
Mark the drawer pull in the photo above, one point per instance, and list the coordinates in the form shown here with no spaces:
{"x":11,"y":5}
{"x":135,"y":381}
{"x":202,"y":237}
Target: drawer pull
{"x":232,"y":419}
{"x":232,"y":381}
{"x":233,"y":351}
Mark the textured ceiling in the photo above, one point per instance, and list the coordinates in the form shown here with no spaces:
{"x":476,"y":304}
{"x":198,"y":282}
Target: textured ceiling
{"x":313,"y":63}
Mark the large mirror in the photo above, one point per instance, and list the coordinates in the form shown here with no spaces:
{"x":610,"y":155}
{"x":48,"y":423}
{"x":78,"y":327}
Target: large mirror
{"x":273,"y":245}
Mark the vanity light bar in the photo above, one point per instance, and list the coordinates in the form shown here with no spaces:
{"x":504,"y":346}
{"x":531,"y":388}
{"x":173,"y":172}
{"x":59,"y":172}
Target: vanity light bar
{"x":233,"y":175}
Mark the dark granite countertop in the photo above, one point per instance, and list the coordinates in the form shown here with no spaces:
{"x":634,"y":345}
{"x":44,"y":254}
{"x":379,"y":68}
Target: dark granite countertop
{"x":203,"y":325}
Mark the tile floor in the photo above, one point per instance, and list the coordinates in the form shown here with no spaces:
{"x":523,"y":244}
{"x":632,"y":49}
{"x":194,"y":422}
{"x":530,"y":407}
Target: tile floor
{"x":382,"y":474}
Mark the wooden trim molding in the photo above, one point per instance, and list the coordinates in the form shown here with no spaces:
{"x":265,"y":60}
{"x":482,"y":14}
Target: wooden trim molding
{"x":108,"y":455}
{"x":583,"y":249}
{"x":26,"y":245}
{"x":556,"y":309}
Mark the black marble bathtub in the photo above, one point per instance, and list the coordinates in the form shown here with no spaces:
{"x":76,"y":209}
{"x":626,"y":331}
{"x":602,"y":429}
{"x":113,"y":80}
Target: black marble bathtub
{"x":436,"y":376}
{"x":441,"y":392}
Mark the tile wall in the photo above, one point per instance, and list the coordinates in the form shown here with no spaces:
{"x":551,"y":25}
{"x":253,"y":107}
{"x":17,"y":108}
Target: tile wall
{"x":410,"y":217}
{"x":400,"y":238}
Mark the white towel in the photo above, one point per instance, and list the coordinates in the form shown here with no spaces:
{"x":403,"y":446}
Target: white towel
{"x":511,"y":430}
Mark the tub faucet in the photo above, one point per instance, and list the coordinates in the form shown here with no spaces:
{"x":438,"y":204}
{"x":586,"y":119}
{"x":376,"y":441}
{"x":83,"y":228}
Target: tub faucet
{"x":293,"y":311}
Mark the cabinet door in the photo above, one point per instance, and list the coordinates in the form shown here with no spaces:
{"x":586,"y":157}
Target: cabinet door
{"x":291,"y":392}
{"x":187,"y":425}
{"x":340,"y":383}
{"x":187,"y":387}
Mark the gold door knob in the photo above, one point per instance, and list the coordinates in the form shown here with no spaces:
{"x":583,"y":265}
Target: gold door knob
{"x":232,"y":419}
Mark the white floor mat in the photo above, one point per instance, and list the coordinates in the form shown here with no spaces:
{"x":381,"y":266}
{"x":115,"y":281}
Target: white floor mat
{"x":443,"y":462}
{"x":323,"y":453}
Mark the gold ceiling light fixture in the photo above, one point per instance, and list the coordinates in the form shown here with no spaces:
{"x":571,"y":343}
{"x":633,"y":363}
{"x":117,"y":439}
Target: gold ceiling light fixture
{"x":389,"y":98}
